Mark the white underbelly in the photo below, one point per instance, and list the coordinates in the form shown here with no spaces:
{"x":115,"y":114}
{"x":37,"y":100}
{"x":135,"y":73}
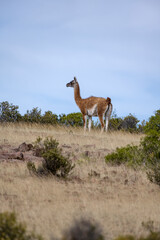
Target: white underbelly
{"x":93,"y":111}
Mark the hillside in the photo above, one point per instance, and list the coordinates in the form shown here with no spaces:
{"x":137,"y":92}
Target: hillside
{"x":120,"y":199}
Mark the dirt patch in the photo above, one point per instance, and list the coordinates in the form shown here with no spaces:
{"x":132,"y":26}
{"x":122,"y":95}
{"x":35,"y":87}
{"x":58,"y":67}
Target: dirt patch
{"x":24,"y":152}
{"x":76,"y":151}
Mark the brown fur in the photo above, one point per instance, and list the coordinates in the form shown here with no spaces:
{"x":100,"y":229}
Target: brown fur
{"x":108,"y":100}
{"x":89,"y":103}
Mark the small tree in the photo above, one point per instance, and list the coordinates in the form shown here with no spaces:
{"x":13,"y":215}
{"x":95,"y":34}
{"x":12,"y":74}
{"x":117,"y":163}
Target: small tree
{"x":153,"y":124}
{"x":49,"y":118}
{"x":75,"y":119}
{"x":33,"y":116}
{"x":130,"y":123}
{"x":62,"y":119}
{"x":72,"y":119}
{"x":115,"y":123}
{"x":9,"y":112}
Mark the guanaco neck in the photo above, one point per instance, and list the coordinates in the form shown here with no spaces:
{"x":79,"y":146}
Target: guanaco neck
{"x":77,"y":95}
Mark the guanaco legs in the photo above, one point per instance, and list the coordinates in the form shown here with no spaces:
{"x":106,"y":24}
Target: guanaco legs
{"x":92,"y":106}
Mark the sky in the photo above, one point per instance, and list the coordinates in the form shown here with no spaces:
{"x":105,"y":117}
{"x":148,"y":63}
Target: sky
{"x":112,"y":47}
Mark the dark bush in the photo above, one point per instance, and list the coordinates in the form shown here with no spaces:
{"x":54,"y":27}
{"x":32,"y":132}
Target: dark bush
{"x":84,"y":230}
{"x":9,"y":112}
{"x":130,"y":123}
{"x":54,"y":163}
{"x":10,"y":229}
{"x":33,"y":116}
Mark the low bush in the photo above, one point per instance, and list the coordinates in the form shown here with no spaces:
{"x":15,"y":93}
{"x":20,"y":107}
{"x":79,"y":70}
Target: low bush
{"x":84,"y":230}
{"x":130,"y":155}
{"x":146,"y":154}
{"x":153,"y":124}
{"x":54,"y":163}
{"x":47,"y":144}
{"x":151,"y":148}
{"x":10,"y":229}
{"x":151,"y":236}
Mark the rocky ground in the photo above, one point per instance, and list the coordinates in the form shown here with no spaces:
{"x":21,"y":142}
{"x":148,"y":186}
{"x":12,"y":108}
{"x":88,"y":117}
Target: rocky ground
{"x":26,"y":152}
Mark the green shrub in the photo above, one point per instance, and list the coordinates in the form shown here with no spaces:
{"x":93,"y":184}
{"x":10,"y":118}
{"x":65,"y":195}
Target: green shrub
{"x":54,"y":163}
{"x":150,"y":236}
{"x":130,"y":155}
{"x":151,"y":148}
{"x":84,"y":230}
{"x":10,"y":229}
{"x":50,"y":143}
{"x":146,"y":154}
{"x":49,"y":118}
{"x":115,"y":123}
{"x":153,"y":124}
{"x":41,"y":146}
{"x":127,"y":237}
{"x":130,"y":123}
{"x":72,"y":119}
{"x":33,"y":116}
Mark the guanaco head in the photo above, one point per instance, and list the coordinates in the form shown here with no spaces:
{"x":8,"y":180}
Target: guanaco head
{"x":72,"y":83}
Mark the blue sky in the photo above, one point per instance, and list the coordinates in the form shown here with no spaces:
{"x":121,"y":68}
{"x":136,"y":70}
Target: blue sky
{"x":112,"y":47}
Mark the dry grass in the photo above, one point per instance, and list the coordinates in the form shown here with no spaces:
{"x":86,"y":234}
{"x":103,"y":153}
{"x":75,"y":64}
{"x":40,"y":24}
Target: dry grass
{"x":119,"y":198}
{"x":17,"y":133}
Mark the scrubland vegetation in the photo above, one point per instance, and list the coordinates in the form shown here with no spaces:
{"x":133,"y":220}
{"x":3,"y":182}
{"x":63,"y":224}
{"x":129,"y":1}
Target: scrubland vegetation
{"x":10,"y":113}
{"x":71,"y":186}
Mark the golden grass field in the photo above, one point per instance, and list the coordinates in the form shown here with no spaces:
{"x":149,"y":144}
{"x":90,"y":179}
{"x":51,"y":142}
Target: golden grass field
{"x":120,"y":199}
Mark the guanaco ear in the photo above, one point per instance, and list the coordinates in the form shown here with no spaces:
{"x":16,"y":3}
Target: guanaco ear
{"x":75,"y":79}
